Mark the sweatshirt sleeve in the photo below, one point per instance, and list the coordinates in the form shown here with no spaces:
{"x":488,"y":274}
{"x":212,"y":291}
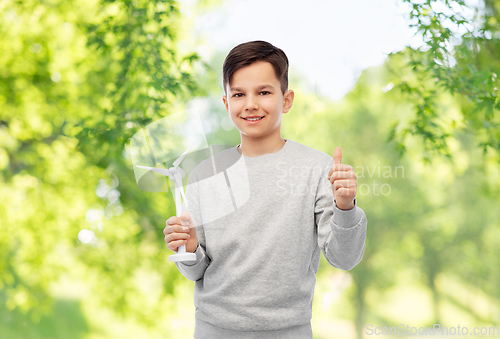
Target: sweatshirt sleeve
{"x":194,"y":270}
{"x":341,"y":233}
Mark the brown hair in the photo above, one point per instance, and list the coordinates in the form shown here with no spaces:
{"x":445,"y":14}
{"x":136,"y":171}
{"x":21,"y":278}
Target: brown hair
{"x":249,"y":52}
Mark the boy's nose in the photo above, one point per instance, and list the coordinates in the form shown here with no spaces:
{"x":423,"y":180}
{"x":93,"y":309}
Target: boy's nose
{"x":251,"y":104}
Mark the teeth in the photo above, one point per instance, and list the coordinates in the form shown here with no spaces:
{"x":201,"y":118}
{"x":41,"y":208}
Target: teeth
{"x":253,"y":119}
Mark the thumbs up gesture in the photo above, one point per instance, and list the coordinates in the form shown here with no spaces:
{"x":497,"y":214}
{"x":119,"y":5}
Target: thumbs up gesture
{"x":344,"y":182}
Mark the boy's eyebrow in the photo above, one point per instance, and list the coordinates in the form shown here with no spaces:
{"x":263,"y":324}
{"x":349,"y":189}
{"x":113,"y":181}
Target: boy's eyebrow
{"x":233,"y":89}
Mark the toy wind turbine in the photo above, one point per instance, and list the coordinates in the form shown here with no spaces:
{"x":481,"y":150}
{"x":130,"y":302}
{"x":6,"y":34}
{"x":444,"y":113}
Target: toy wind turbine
{"x":152,"y":150}
{"x":176,"y":174}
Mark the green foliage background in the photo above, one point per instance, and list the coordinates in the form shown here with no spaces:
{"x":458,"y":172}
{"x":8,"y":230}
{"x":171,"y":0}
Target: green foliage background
{"x":78,"y":79}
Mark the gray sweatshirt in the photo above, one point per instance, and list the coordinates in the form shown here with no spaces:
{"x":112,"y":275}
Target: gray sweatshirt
{"x":262,"y":223}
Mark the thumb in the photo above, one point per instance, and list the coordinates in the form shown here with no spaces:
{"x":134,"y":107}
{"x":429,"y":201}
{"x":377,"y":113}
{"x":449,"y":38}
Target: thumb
{"x":185,"y":219}
{"x":337,"y":155}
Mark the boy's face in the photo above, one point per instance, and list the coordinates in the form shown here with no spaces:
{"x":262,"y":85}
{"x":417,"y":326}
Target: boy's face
{"x":255,"y":91}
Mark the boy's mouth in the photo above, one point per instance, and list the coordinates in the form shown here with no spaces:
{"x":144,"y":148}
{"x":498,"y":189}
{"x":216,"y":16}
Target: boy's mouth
{"x":253,"y":118}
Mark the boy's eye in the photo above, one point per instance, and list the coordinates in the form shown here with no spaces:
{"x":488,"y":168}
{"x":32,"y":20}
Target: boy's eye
{"x":238,"y":94}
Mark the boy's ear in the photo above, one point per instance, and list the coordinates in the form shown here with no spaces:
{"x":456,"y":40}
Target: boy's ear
{"x":287,"y":100}
{"x":224,"y":100}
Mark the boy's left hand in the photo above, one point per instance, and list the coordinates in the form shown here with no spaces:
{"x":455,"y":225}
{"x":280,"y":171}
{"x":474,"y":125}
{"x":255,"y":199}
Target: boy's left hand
{"x":344,"y":182}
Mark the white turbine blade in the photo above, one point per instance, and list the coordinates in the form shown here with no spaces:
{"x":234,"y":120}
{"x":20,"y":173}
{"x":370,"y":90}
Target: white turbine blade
{"x":178,"y":161}
{"x":157,"y":170}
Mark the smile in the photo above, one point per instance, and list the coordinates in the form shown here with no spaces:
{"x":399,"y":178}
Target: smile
{"x":253,"y":120}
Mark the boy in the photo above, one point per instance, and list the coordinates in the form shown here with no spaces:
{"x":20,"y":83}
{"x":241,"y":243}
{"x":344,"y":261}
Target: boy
{"x":255,"y":271}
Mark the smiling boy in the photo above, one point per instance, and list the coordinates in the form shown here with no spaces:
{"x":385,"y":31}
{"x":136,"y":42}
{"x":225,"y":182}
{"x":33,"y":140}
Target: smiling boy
{"x":256,"y":92}
{"x":255,"y":271}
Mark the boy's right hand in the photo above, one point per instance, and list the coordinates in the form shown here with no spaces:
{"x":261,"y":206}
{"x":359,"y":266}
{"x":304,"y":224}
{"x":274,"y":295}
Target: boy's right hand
{"x":181,"y":231}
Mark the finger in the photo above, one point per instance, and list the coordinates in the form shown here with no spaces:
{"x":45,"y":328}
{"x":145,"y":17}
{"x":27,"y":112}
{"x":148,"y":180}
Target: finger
{"x":175,"y":244}
{"x":176,"y":236}
{"x":348,"y":184}
{"x":185,"y":219}
{"x":182,"y":229}
{"x":167,"y":230}
{"x":337,"y":155}
{"x":340,"y":167}
{"x":174,"y":225}
{"x":345,"y":193}
{"x":342,"y":175}
{"x":179,"y":236}
{"x":172,"y":221}
{"x":338,"y":184}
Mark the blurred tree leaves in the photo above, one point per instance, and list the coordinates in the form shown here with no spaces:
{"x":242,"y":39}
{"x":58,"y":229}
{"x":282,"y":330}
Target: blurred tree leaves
{"x":460,"y":56}
{"x":135,"y":42}
{"x":77,"y":79}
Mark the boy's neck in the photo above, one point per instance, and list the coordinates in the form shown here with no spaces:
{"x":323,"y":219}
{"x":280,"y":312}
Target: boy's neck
{"x":251,"y":147}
